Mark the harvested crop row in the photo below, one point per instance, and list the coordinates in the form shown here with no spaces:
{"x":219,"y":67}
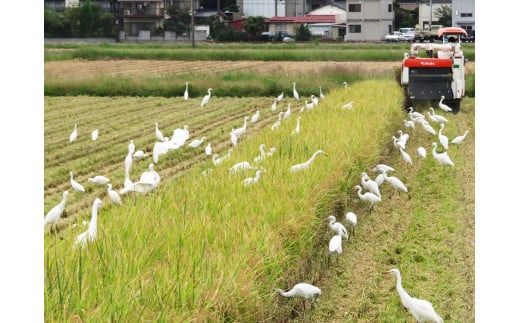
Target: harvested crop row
{"x":208,"y":249}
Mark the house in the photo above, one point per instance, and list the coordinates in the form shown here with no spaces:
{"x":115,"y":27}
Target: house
{"x":289,"y":24}
{"x":140,"y":18}
{"x":268,"y":9}
{"x":369,"y":20}
{"x":336,"y":8}
{"x":425,"y":11}
{"x":463,"y":14}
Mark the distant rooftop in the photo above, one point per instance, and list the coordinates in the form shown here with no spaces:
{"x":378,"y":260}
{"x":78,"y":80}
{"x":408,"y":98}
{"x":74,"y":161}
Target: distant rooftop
{"x":307,"y":19}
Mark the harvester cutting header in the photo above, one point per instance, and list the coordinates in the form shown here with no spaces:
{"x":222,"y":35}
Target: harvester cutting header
{"x":440,"y":75}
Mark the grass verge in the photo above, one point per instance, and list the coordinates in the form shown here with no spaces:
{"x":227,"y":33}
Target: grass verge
{"x":209,"y":249}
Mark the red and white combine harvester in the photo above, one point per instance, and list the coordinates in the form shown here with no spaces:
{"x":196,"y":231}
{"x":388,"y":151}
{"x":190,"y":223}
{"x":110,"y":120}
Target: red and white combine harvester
{"x":439,"y":75}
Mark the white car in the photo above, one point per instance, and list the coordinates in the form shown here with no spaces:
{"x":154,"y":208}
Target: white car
{"x":395,"y":36}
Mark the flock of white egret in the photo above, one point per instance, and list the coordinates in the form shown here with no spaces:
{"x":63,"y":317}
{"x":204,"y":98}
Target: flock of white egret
{"x":149,"y":180}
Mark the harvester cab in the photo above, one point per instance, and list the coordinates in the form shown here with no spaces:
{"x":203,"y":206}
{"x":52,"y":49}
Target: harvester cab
{"x":440,"y":73}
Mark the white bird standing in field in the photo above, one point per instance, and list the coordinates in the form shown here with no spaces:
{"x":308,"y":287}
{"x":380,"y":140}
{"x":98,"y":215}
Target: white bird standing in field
{"x":380,"y":179}
{"x":403,"y":137}
{"x":303,"y":290}
{"x":395,"y":182}
{"x":414,"y":115}
{"x":443,"y":106}
{"x":305,"y":165}
{"x":314,"y":100}
{"x":459,"y":139}
{"x":240,"y":167}
{"x":345,"y":84}
{"x":367,"y":196}
{"x":348,"y":106}
{"x":421,"y":310}
{"x":442,"y":158}
{"x":409,"y":124}
{"x":369,"y":185}
{"x":351,"y":220}
{"x":398,"y":144}
{"x":139,"y":154}
{"x":186,"y":96}
{"x":280,"y":97}
{"x":99,"y":179}
{"x":404,"y":155}
{"x":114,"y":197}
{"x":421,"y":152}
{"x":131,"y":147}
{"x":273,"y":106}
{"x":196,"y":142}
{"x":297,"y":129}
{"x":74,"y":135}
{"x":382,"y":168}
{"x":148,"y":181}
{"x":287,"y":113}
{"x":442,"y":138}
{"x":55,"y":213}
{"x":206,"y":98}
{"x":321,"y":94}
{"x":208,"y":149}
{"x":337,"y":227}
{"x":75,"y":185}
{"x":252,"y":180}
{"x":128,"y":161}
{"x":335,"y":246}
{"x":94,"y":135}
{"x":255,"y":117}
{"x":158,"y":133}
{"x":91,"y":233}
{"x":436,"y":117}
{"x":233,"y":138}
{"x":307,"y":106}
{"x":426,"y":126}
{"x":242,"y":130}
{"x":218,"y":160}
{"x":262,"y":155}
{"x":278,"y":122}
{"x":159,"y":148}
{"x":295,"y":93}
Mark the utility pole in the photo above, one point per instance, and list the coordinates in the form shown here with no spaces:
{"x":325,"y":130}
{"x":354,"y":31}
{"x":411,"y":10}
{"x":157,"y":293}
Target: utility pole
{"x":192,"y":27}
{"x":346,"y":20}
{"x":431,"y":14}
{"x":276,"y":8}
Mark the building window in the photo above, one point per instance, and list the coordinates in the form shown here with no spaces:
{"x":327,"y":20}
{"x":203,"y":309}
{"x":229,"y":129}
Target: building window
{"x":354,"y":7}
{"x":389,"y":29}
{"x":466,"y":14}
{"x":355,"y":29}
{"x":468,"y":27}
{"x":280,"y":27}
{"x":390,"y":7}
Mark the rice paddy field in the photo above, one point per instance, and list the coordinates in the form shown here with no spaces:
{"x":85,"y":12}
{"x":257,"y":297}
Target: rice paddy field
{"x":206,"y":248}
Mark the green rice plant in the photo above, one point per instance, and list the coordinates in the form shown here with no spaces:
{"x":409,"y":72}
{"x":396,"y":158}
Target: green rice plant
{"x":207,"y":248}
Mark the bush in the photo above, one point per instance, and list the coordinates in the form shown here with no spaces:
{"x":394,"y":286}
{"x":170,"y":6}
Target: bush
{"x":254,"y":26}
{"x":303,"y":33}
{"x":222,"y":32}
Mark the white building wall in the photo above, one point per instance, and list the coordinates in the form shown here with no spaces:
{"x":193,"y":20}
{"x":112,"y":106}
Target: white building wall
{"x":424,"y":13}
{"x":262,"y":8}
{"x":458,"y":8}
{"x":374,"y":19}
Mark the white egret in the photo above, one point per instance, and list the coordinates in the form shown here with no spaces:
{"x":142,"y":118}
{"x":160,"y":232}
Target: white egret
{"x":186,"y":96}
{"x":437,"y":117}
{"x":314,"y":100}
{"x":99,"y":179}
{"x":278,"y":122}
{"x":148,"y":181}
{"x":295,"y":93}
{"x":307,"y":106}
{"x":321,"y":94}
{"x":159,"y":148}
{"x":443,"y":106}
{"x":128,"y":161}
{"x":262,"y":155}
{"x":383,"y":168}
{"x":442,"y":138}
{"x":442,"y":158}
{"x":409,"y":124}
{"x":297,"y":129}
{"x":242,"y":130}
{"x":398,"y":144}
{"x":139,"y":154}
{"x":255,"y":117}
{"x":158,"y":133}
{"x":253,"y":180}
{"x":208,"y":149}
{"x":348,"y":106}
{"x":287,"y":113}
{"x":337,"y":227}
{"x":273,"y":106}
{"x":421,"y":152}
{"x":421,"y":310}
{"x":345,"y":84}
{"x":74,"y":135}
{"x":351,"y":220}
{"x":217,"y":160}
{"x":404,"y":155}
{"x":305,"y":165}
{"x":367,"y":196}
{"x":196,"y":142}
{"x":415,"y":116}
{"x":114,"y":197}
{"x":240,"y":167}
{"x":94,"y":135}
{"x":335,"y":246}
{"x":403,"y":137}
{"x":91,"y":233}
{"x":131,"y":147}
{"x":426,"y":126}
{"x":206,"y":98}
{"x":369,"y":185}
{"x":380,"y":178}
{"x":179,"y":137}
{"x":280,"y":97}
{"x":395,"y":182}
{"x":56,"y":212}
{"x":233,"y":138}
{"x":459,"y":139}
{"x":303,"y":290}
{"x":75,"y":185}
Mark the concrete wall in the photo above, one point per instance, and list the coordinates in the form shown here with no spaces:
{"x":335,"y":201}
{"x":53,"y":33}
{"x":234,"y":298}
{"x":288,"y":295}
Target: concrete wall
{"x":324,"y":30}
{"x":374,"y":19}
{"x":370,"y":31}
{"x":463,"y":6}
{"x":340,"y":14}
{"x":263,"y":8}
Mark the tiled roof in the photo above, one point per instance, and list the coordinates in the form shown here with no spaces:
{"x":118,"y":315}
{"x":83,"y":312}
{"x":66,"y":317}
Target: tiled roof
{"x":308,"y":19}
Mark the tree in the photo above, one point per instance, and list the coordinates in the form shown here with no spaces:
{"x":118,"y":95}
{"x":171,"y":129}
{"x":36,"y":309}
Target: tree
{"x":405,"y":18}
{"x":178,"y":21}
{"x":303,"y":33}
{"x":443,"y":14}
{"x":254,"y":26}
